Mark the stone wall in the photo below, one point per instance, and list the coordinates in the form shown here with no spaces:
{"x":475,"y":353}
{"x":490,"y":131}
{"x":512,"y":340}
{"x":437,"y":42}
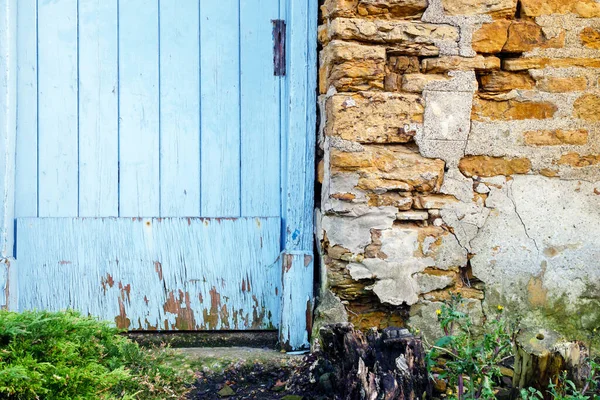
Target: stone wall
{"x":460,"y":148}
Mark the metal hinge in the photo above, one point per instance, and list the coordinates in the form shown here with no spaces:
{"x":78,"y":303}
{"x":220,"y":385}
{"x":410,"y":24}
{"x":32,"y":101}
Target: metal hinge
{"x":279,"y":47}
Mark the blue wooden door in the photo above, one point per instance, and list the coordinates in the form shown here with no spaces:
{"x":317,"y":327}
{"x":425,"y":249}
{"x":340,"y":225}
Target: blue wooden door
{"x":153,"y":171}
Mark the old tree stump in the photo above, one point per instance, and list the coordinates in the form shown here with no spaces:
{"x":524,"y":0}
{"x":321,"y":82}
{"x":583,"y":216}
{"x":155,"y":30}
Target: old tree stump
{"x":541,"y":355}
{"x":379,"y":365}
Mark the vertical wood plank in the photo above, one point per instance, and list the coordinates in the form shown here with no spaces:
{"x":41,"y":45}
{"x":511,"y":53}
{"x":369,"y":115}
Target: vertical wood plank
{"x":300,"y":128}
{"x":26,"y":195}
{"x":98,"y":108}
{"x":220,"y":99}
{"x":299,"y":172}
{"x":8,"y":121}
{"x":297,"y":301}
{"x":139,"y":181}
{"x":180,"y":108}
{"x":58,"y":91}
{"x":260,"y":139}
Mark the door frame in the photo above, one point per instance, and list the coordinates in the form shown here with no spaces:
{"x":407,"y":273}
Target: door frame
{"x":298,"y":127}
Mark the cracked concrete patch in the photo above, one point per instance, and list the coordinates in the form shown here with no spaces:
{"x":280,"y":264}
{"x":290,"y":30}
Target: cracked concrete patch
{"x":536,"y":231}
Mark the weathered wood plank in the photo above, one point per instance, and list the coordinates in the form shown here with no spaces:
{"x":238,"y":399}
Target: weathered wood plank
{"x":8,"y":120}
{"x":98,"y":109}
{"x":301,"y":137}
{"x":297,"y":301}
{"x":260,"y":130}
{"x":161,"y":273}
{"x":139,"y":181}
{"x":26,"y":189}
{"x":220,"y":108}
{"x":57,"y":113}
{"x":180,"y":108}
{"x":298,"y":168}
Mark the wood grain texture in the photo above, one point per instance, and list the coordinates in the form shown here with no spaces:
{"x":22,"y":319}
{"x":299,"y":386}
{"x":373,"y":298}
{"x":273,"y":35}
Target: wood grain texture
{"x":260,"y":130}
{"x":297,"y":301}
{"x":299,"y":115}
{"x":57,"y":113}
{"x":98,"y":109}
{"x":26,"y":188}
{"x":154,"y":273}
{"x":299,"y":162}
{"x":220,"y":108}
{"x":8,"y":117}
{"x":180,"y":108}
{"x":139,"y":184}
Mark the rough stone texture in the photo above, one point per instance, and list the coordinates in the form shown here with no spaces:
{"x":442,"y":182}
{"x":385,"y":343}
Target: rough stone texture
{"x":511,"y":110}
{"x":385,"y":31}
{"x":562,"y":85}
{"x":454,"y":63}
{"x":349,"y":66}
{"x":513,"y":37}
{"x":392,"y":8}
{"x":556,"y":138}
{"x":496,"y":8}
{"x":590,"y":37}
{"x":501,"y":81}
{"x":521,"y":64}
{"x":485,"y":166}
{"x":390,"y":168}
{"x":370,"y":117}
{"x":586,"y":107}
{"x":460,"y":144}
{"x":583,"y":8}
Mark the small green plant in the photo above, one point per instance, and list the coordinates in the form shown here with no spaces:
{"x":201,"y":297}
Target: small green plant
{"x":566,"y":389}
{"x":471,"y":360}
{"x":64,"y":355}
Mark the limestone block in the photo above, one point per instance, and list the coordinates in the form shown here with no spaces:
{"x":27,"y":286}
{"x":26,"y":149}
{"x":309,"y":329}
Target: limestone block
{"x":412,"y":216}
{"x":455,"y":63}
{"x":492,"y":37}
{"x":392,"y":8}
{"x":339,"y":8}
{"x":522,"y":64}
{"x":485,"y":166}
{"x":350,"y":66}
{"x":502,"y":81}
{"x":496,"y":8}
{"x":586,"y":107}
{"x":556,"y":137}
{"x":492,"y":110}
{"x":416,"y":83}
{"x":434,"y":201}
{"x":370,"y":117}
{"x":402,"y":201}
{"x":590,"y":38}
{"x":583,"y":8}
{"x":384,"y":168}
{"x":526,"y":35}
{"x":386,"y":31}
{"x":554,"y":84}
{"x":578,"y":160}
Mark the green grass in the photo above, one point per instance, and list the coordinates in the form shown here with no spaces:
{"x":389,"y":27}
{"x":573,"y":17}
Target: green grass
{"x":64,"y":355}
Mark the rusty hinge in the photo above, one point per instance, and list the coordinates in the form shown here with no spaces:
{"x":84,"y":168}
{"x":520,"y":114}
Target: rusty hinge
{"x":278,"y":47}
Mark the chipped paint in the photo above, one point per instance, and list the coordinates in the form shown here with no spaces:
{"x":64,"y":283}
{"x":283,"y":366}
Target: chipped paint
{"x":162,"y":276}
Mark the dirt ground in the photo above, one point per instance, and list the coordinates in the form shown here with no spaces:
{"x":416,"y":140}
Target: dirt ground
{"x":244,"y":373}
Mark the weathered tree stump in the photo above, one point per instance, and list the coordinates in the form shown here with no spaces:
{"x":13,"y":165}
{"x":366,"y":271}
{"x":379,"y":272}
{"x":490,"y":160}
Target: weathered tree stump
{"x":541,"y":355}
{"x":385,"y":365}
